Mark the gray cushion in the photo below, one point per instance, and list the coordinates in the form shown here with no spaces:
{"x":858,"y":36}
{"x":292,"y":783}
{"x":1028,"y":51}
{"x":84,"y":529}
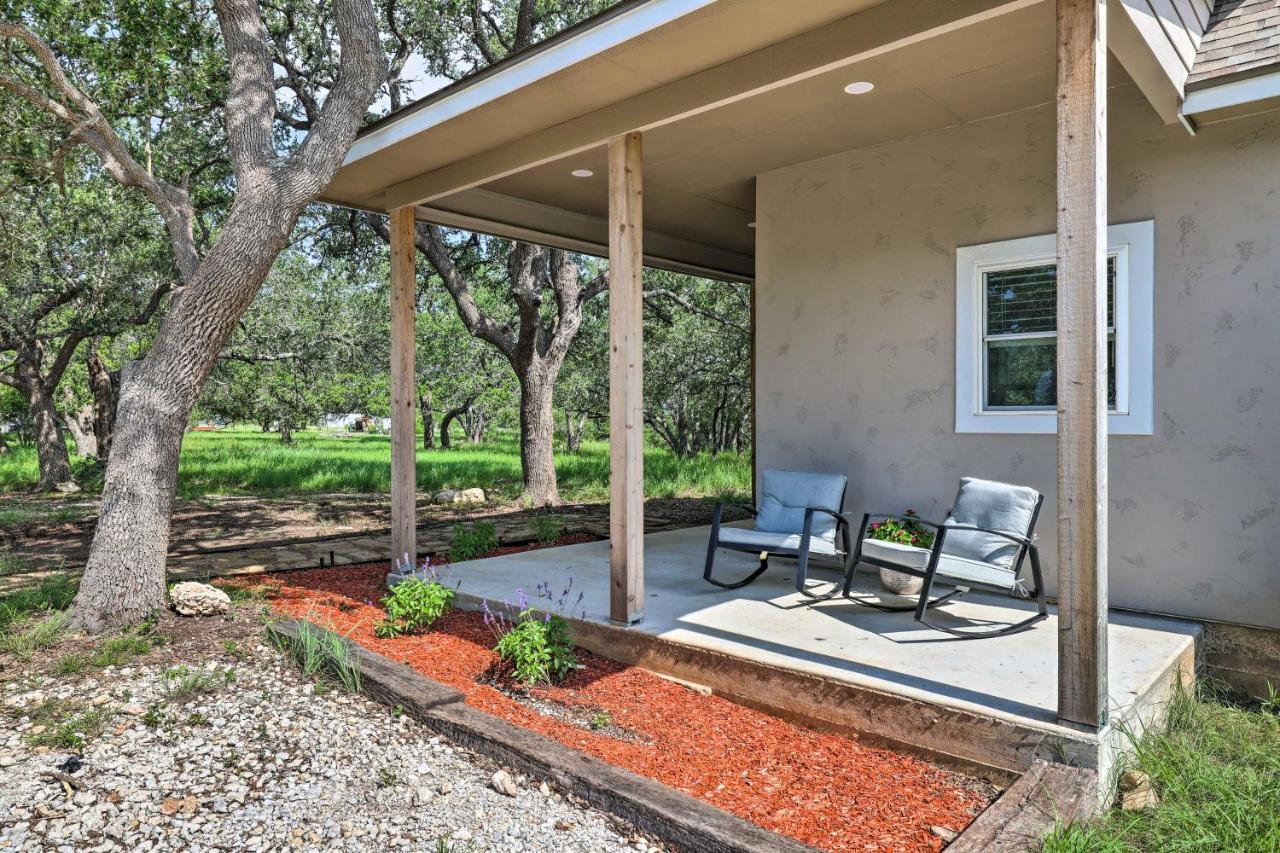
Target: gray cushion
{"x":997,"y":506}
{"x":786,"y":494}
{"x":908,"y":556}
{"x":764,"y":541}
{"x":962,"y":572}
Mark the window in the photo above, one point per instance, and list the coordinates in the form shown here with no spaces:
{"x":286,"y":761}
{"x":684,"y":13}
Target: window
{"x":1006,"y":337}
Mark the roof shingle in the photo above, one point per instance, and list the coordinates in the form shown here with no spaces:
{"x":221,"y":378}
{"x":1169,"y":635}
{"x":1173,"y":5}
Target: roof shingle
{"x":1242,"y":40}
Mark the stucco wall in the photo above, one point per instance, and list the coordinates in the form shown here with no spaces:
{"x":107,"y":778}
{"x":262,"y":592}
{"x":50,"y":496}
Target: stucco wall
{"x":856,"y":338}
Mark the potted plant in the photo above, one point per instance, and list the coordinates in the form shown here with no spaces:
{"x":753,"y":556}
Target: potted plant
{"x":906,"y":530}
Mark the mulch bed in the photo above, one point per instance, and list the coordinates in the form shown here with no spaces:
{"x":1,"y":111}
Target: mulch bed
{"x":822,"y":789}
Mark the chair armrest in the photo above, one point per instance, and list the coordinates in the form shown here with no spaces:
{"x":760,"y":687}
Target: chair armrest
{"x":838,"y":516}
{"x":1004,"y":534}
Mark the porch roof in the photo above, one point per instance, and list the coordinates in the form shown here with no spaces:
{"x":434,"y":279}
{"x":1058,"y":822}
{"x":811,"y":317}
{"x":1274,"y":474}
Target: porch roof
{"x":724,"y":90}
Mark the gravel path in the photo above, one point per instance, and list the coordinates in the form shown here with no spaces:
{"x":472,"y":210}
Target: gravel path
{"x":255,"y":758}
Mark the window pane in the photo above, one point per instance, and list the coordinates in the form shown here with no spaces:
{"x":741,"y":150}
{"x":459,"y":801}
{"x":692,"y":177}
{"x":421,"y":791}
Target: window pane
{"x":1023,"y":373}
{"x":1024,"y":301}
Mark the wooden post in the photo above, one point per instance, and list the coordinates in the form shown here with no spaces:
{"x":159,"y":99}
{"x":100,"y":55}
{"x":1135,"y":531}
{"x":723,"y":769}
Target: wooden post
{"x":626,"y":375}
{"x":404,"y":446}
{"x":1082,"y":363}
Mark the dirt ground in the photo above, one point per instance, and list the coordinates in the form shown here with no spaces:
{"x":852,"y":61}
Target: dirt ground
{"x":217,"y":535}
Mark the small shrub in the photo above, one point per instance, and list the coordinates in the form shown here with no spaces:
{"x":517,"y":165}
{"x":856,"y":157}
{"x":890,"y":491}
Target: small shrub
{"x":414,"y":604}
{"x":601,"y":720}
{"x":547,"y":528}
{"x":387,"y":778}
{"x":154,"y":717}
{"x":240,"y":594}
{"x":535,"y":643}
{"x":471,"y":542}
{"x":318,"y":652}
{"x":235,"y":650}
{"x":195,"y":718}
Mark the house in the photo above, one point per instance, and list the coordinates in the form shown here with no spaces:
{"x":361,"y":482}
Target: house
{"x":962,"y":218}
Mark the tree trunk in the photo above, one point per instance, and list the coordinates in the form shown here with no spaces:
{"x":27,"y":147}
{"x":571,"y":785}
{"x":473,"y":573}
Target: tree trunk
{"x":537,"y":434}
{"x":80,"y":424}
{"x":475,"y":423}
{"x":574,"y":427}
{"x":449,"y":417}
{"x":428,"y":422}
{"x":4,"y":445}
{"x":124,"y":577}
{"x":105,"y":394}
{"x":286,"y":432}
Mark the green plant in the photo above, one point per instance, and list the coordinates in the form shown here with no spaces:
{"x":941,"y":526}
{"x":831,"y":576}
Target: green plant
{"x":52,"y":593}
{"x":27,"y":634}
{"x":75,"y":732}
{"x":195,"y":718}
{"x":235,"y":650}
{"x":601,"y":720}
{"x":537,"y":648}
{"x":120,"y":650}
{"x":1271,"y":704}
{"x":241,"y":594}
{"x":319,"y":652}
{"x":547,"y":528}
{"x":474,"y":541}
{"x":413,"y":605}
{"x":182,"y":682}
{"x":387,"y":779}
{"x":70,"y":664}
{"x":154,"y":717}
{"x":1216,"y":768}
{"x":907,"y":530}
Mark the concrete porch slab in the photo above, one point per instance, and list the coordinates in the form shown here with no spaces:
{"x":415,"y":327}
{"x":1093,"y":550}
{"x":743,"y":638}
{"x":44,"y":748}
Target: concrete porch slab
{"x":988,"y":704}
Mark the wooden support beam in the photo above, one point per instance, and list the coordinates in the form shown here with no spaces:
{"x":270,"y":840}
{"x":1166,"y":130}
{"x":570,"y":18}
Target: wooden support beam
{"x":1082,"y":362}
{"x":626,"y":377}
{"x":404,"y":445}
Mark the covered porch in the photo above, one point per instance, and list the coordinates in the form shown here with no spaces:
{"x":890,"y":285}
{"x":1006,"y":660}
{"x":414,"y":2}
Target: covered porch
{"x":988,"y":706}
{"x":676,"y":134}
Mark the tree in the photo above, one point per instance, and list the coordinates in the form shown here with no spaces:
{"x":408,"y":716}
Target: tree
{"x":124,"y":575}
{"x":526,"y":302}
{"x":76,"y":263}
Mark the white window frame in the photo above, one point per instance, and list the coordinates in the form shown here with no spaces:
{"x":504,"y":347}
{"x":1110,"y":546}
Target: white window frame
{"x":1133,"y":246}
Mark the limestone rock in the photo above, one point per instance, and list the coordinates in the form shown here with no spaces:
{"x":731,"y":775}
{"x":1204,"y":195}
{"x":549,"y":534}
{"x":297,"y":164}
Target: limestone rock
{"x":198,"y":599}
{"x":461,"y":496}
{"x":947,"y":835}
{"x":504,"y":784}
{"x":67,"y":488}
{"x":1137,"y":792}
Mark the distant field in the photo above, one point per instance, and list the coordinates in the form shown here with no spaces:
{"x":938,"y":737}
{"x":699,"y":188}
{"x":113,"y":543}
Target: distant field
{"x":247,"y":461}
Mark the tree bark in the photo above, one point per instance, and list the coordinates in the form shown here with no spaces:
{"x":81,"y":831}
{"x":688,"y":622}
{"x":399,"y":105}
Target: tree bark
{"x":537,"y":439}
{"x":80,"y":424}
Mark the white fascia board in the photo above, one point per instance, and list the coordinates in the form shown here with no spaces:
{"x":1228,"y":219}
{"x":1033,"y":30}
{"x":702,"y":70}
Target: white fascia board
{"x":1232,"y":94}
{"x":608,"y":34}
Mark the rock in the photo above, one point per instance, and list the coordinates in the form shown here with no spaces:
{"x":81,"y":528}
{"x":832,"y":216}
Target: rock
{"x":170,"y":806}
{"x":470,"y":496}
{"x":67,"y":488}
{"x":446,"y":497}
{"x":544,"y":789}
{"x":1137,"y":792}
{"x":198,"y":599}
{"x":504,"y":784}
{"x":423,"y":795}
{"x":947,"y":835}
{"x":133,"y":709}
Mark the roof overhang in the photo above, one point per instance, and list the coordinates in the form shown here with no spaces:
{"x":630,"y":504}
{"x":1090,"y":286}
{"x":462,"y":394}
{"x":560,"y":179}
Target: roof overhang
{"x":724,"y":90}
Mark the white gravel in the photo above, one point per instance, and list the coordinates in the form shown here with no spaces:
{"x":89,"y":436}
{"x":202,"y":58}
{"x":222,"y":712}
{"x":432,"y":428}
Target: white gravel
{"x":264,"y":763}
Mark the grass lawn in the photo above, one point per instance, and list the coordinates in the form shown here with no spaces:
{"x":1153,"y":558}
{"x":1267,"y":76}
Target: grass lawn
{"x":248,"y":461}
{"x":1217,"y":771}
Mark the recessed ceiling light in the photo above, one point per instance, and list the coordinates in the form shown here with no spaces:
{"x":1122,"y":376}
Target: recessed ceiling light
{"x":859,"y":88}
{"x":582,"y":173}
{"x":751,"y":225}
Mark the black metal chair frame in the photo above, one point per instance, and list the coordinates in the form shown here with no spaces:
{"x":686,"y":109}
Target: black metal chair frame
{"x":1026,"y":548}
{"x":801,"y":554}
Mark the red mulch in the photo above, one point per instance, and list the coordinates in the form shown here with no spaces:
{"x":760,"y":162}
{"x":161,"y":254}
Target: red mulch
{"x":822,"y":789}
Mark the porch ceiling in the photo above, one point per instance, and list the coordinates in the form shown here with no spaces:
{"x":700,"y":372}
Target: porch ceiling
{"x":700,"y":170}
